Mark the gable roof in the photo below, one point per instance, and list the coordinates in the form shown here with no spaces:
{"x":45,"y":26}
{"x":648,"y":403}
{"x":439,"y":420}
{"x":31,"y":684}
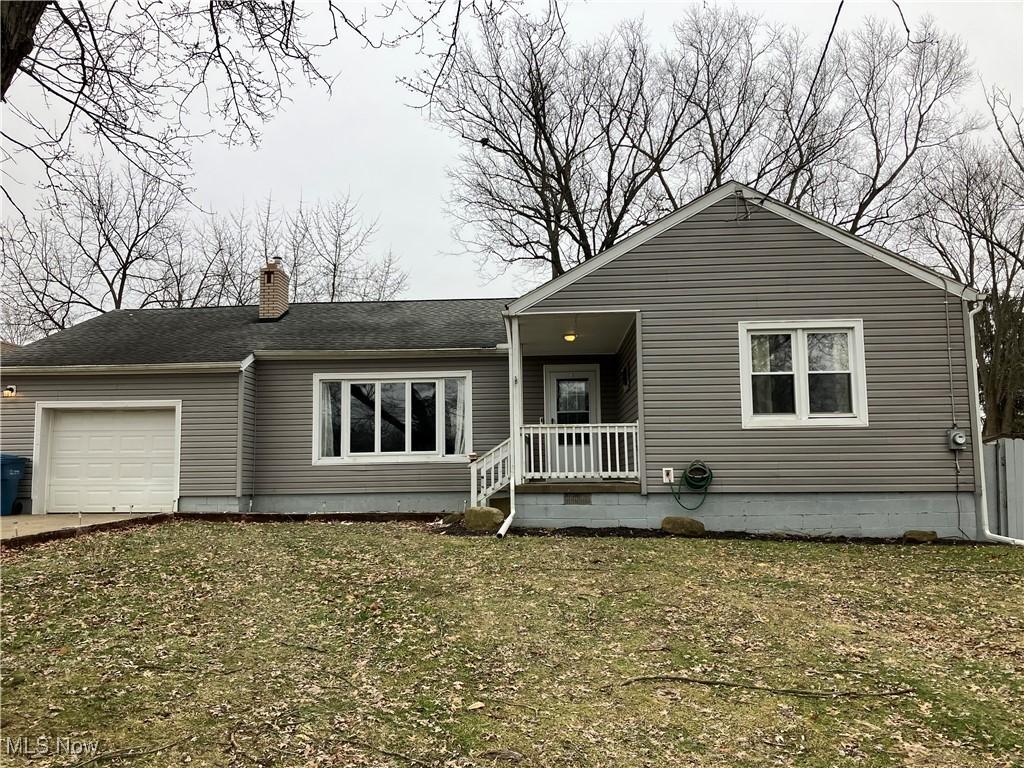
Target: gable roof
{"x":212,"y":335}
{"x":753,"y":197}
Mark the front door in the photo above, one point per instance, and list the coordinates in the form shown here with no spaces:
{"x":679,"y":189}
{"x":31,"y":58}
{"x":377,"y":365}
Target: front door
{"x":571,"y":396}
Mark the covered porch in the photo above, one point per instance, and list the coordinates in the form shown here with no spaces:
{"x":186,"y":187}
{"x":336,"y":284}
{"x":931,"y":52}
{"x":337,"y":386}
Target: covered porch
{"x":574,"y":383}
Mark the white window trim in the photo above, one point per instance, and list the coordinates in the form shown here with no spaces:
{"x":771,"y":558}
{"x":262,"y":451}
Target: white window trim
{"x":420,"y":457}
{"x":802,"y":417}
{"x":551,"y":372}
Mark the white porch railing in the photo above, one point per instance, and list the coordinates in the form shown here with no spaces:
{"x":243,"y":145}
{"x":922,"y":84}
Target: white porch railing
{"x":490,"y":472}
{"x":581,"y":451}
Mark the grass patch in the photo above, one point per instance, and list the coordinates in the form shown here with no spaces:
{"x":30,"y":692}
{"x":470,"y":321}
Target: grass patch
{"x":327,"y":644}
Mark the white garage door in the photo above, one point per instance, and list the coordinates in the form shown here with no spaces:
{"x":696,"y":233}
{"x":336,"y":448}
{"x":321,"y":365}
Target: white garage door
{"x":105,"y":460}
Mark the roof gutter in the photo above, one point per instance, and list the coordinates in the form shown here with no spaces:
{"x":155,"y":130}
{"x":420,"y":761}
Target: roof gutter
{"x":89,"y":370}
{"x":500,"y":350}
{"x":336,"y":354}
{"x":981,"y":495}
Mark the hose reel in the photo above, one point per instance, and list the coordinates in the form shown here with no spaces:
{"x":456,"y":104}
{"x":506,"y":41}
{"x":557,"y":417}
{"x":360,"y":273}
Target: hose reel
{"x":696,"y":478}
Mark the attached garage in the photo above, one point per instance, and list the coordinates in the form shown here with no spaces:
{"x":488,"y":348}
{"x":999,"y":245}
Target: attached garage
{"x":116,"y":457}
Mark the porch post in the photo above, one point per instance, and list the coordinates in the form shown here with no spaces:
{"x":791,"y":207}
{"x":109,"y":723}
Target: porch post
{"x":515,"y":363}
{"x":640,"y":422}
{"x":473,"y":482}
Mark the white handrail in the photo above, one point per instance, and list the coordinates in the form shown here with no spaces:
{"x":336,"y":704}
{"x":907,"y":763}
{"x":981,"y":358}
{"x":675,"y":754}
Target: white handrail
{"x":581,"y":451}
{"x":490,"y":472}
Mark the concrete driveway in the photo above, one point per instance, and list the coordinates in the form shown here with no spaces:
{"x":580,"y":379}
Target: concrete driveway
{"x":21,"y":526}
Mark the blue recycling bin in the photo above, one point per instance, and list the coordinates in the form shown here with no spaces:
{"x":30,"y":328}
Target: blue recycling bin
{"x":11,"y":469}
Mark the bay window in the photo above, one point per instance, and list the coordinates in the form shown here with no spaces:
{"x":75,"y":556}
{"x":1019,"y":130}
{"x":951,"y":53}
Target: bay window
{"x":391,"y":417}
{"x":803,"y":373}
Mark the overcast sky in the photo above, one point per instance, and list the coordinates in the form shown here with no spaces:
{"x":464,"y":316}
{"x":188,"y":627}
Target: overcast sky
{"x":367,"y":140}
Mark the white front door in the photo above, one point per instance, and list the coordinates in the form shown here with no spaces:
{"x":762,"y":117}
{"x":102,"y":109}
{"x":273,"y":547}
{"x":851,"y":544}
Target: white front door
{"x":572,"y":394}
{"x":105,"y":460}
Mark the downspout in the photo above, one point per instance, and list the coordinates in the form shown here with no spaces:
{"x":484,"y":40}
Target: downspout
{"x":981,"y":496}
{"x":252,"y":478}
{"x":511,"y":332}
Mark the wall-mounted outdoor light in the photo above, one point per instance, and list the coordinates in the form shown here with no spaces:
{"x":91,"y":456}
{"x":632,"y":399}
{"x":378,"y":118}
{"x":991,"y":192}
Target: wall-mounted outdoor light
{"x":10,"y":390}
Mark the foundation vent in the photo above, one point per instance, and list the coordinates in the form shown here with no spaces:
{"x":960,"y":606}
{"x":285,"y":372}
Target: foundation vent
{"x":576,"y":498}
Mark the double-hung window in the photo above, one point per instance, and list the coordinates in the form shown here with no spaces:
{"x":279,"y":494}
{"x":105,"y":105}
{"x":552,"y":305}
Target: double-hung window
{"x":386,"y":417}
{"x":803,"y":373}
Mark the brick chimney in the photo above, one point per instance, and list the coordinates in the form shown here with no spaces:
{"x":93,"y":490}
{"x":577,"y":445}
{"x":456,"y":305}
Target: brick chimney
{"x":273,"y":290}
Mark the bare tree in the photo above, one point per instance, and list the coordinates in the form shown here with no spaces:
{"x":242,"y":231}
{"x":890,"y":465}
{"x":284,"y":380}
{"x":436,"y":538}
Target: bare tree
{"x":297,"y":250}
{"x":324,"y":245}
{"x":568,"y":147}
{"x":270,"y":231}
{"x":972,"y":219}
{"x":179,"y":277}
{"x":507,"y":190}
{"x":337,"y":237}
{"x":103,"y":243}
{"x":643,"y":111}
{"x":380,"y":280}
{"x":38,"y":283}
{"x":136,"y":76}
{"x":802,"y":147}
{"x":906,"y":91}
{"x":1010,"y":126}
{"x":16,"y":324}
{"x":117,"y":225}
{"x":734,"y":85}
{"x":564,"y":144}
{"x":123,"y":239}
{"x":226,"y":243}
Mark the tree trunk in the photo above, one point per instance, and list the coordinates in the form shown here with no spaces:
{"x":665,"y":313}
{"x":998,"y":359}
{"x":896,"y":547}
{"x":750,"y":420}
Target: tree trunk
{"x":18,"y":22}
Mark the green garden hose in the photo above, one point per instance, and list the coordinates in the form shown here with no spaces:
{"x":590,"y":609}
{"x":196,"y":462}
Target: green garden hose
{"x":696,"y":477}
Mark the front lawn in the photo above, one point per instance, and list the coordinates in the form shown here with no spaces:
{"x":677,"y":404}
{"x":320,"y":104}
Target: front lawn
{"x":332,"y":644}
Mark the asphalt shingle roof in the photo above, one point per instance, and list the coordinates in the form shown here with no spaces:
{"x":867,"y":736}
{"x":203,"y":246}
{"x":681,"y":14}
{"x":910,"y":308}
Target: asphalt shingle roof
{"x":225,"y":334}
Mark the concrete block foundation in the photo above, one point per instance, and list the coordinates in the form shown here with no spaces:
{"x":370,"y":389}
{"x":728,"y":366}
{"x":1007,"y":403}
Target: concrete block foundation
{"x":869,"y":515}
{"x":385,"y":503}
{"x":210,"y":504}
{"x":872,"y":515}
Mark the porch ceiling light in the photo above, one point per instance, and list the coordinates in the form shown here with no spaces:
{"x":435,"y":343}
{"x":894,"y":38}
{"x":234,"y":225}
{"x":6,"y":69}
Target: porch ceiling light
{"x":570,"y":335}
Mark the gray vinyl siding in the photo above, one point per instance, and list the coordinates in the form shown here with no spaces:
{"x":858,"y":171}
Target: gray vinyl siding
{"x":533,"y":384}
{"x":209,"y":419}
{"x":284,"y":427}
{"x":247,"y":415}
{"x":696,"y":281}
{"x":625,"y":361}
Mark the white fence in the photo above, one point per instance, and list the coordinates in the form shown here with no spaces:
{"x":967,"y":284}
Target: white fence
{"x":581,"y":452}
{"x":1004,"y":482}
